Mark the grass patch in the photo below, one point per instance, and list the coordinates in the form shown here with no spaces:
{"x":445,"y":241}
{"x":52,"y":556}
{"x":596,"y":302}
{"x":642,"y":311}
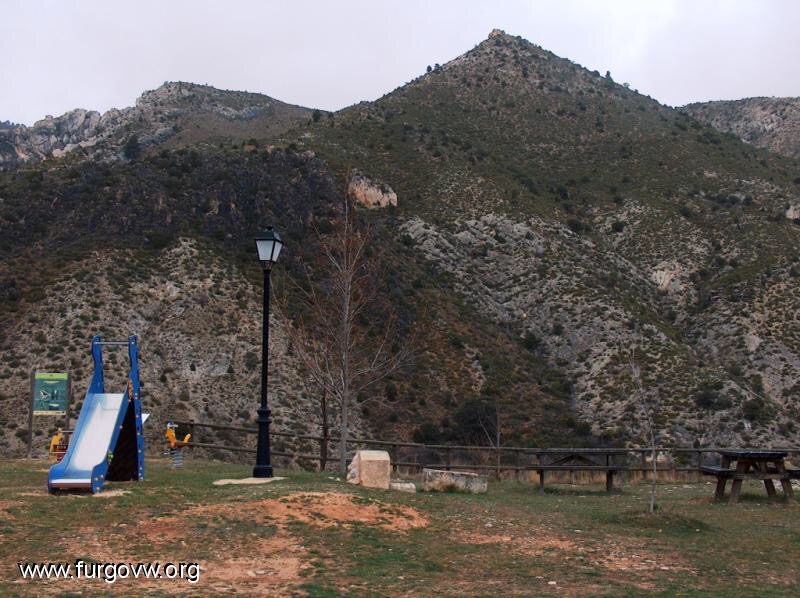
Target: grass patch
{"x":513,"y":537}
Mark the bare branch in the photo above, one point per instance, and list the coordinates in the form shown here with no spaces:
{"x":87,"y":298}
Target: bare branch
{"x":344,"y":352}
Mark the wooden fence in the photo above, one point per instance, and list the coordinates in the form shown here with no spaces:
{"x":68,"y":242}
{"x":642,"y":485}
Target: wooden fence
{"x":412,"y":457}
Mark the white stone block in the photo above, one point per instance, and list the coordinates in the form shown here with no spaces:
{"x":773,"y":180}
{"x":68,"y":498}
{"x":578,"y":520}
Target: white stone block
{"x":437,"y":480}
{"x":371,"y":469}
{"x":402,"y":486}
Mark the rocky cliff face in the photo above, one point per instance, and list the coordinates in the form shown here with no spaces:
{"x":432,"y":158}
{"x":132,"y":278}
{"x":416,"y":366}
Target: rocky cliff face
{"x":179,"y":112}
{"x":769,"y":123}
{"x":48,"y":137}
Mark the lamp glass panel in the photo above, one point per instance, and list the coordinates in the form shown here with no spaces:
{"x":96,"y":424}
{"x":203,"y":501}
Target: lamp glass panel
{"x":265,"y":249}
{"x":276,"y":250}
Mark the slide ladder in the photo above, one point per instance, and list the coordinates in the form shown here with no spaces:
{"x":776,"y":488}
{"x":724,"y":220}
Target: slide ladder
{"x":107,"y":444}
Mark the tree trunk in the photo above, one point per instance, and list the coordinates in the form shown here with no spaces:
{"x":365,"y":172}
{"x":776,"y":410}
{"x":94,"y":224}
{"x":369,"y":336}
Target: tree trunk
{"x":345,"y":357}
{"x":497,"y":442}
{"x":323,"y":444}
{"x":346,"y":335}
{"x":655,"y":472}
{"x":343,"y":441}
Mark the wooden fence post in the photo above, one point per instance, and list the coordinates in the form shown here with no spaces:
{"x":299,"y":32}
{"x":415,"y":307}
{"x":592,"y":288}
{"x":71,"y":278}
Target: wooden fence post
{"x":30,"y":414}
{"x":643,"y":455}
{"x":699,"y":464}
{"x":674,"y":456}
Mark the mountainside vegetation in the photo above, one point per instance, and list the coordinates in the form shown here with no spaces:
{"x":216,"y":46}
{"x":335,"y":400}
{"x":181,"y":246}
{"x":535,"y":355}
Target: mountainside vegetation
{"x":548,"y":220}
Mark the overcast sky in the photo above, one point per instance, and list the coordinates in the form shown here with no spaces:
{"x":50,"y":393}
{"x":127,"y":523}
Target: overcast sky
{"x":60,"y":54}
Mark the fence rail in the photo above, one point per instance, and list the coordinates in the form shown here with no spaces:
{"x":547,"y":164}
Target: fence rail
{"x":413,"y":455}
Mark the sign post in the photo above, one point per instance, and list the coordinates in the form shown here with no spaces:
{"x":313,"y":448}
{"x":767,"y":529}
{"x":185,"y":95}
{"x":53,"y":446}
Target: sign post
{"x":50,"y":395}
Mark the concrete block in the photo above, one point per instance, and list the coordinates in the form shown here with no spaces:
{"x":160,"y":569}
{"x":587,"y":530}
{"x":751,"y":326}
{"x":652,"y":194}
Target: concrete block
{"x":437,"y":480}
{"x":370,"y":469}
{"x":403,"y":486}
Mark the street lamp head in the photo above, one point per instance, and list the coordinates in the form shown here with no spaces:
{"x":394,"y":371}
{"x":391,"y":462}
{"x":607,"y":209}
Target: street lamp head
{"x":269,"y":245}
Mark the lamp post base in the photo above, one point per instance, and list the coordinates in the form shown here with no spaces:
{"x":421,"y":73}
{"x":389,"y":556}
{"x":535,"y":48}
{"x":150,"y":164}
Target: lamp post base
{"x":263,"y":468}
{"x":262,"y":471}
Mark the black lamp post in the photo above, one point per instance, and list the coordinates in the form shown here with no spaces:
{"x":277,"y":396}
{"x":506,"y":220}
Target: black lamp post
{"x":269,"y":247}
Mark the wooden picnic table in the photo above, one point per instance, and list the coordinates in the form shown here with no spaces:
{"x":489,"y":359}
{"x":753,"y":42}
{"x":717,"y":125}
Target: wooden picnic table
{"x":751,"y":464}
{"x":591,"y":459}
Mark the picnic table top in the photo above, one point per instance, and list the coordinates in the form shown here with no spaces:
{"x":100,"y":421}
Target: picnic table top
{"x":575,"y":467}
{"x":765,"y":454}
{"x":583,"y":451}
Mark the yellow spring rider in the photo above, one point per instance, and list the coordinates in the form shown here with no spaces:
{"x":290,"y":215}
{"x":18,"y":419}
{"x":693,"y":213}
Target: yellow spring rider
{"x":176,"y":446}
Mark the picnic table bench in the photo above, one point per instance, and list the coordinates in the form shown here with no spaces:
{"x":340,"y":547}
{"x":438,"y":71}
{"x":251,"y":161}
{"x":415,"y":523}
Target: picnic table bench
{"x":751,"y":464}
{"x":580,"y":460}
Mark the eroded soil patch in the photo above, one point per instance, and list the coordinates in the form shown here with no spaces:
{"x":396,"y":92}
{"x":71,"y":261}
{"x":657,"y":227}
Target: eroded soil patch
{"x":248,"y":545}
{"x":626,"y":555}
{"x":322,"y":509}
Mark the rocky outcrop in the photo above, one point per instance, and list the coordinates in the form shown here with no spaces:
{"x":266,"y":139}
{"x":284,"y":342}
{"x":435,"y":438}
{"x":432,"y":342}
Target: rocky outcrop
{"x":669,"y":277}
{"x":50,"y":136}
{"x":158,"y":116}
{"x":770,"y":123}
{"x":370,"y":193}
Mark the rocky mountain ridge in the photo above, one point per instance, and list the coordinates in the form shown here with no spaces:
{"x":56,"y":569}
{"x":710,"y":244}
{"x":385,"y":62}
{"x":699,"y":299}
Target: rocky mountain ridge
{"x":769,"y":123}
{"x":160,"y":115}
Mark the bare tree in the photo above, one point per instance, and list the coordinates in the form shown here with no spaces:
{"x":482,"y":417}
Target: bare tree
{"x":344,"y":351}
{"x":493,"y":432}
{"x":646,"y":407}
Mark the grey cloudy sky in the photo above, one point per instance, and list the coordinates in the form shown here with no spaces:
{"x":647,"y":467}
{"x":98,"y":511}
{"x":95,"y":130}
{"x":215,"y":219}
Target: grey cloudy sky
{"x":98,"y":54}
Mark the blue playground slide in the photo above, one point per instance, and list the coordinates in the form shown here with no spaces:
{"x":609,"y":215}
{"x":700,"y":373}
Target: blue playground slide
{"x":107,"y":444}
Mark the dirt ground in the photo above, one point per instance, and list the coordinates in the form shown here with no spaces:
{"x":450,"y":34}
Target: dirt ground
{"x":252,"y":562}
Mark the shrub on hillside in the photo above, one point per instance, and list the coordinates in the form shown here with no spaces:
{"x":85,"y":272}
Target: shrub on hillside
{"x":427,"y":433}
